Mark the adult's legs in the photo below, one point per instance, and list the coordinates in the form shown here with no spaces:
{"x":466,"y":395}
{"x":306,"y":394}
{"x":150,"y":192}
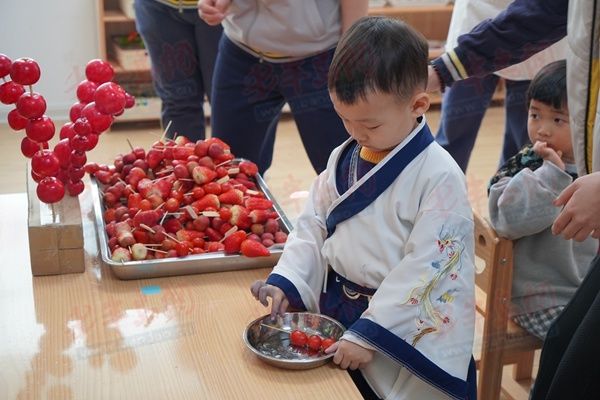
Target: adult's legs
{"x":246,"y":103}
{"x":515,"y":104}
{"x":463,"y":107}
{"x":207,"y":45}
{"x":304,"y":85}
{"x":170,"y":37}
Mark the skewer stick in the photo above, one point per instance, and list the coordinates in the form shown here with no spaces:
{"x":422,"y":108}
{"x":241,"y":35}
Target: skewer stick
{"x":172,"y":237}
{"x":129,"y":143}
{"x":146,"y":227}
{"x":163,"y":218}
{"x":166,"y":130}
{"x":156,"y":250}
{"x":191,"y":211}
{"x":223,"y":163}
{"x":274,"y":328}
{"x":231,"y":230}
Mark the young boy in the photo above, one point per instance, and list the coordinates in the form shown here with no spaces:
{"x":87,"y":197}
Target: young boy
{"x":547,"y":268}
{"x":385,"y":243}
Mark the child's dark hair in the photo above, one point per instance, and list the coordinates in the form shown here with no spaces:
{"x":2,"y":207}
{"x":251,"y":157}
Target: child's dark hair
{"x":549,"y":85}
{"x":378,"y":54}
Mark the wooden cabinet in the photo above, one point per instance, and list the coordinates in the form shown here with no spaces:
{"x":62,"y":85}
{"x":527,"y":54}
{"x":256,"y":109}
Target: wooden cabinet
{"x":432,"y":21}
{"x":113,"y":22}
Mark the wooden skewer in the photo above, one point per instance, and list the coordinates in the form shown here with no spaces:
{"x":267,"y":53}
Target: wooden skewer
{"x":129,"y":143}
{"x":156,"y":250}
{"x":172,"y":237}
{"x":163,"y":218}
{"x":274,"y":328}
{"x":191,"y":211}
{"x":146,"y":227}
{"x":223,"y":163}
{"x":166,"y":130}
{"x":231,"y":230}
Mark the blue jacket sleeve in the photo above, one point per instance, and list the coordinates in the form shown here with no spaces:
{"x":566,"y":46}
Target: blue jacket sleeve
{"x":523,"y":29}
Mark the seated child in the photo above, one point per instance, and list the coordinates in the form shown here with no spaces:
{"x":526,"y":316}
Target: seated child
{"x":547,"y":268}
{"x":385,"y":243}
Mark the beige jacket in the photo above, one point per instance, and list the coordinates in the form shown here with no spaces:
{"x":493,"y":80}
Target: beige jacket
{"x":583,"y":79}
{"x":290,"y":28}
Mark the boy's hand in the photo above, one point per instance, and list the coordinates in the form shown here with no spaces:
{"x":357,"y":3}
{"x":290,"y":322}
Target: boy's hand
{"x":213,"y":11}
{"x":548,"y":154}
{"x":279,"y":302}
{"x":349,"y":355}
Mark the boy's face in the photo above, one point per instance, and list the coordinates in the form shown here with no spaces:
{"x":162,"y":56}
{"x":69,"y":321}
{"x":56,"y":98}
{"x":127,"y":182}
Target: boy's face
{"x":548,"y":124}
{"x":381,"y":121}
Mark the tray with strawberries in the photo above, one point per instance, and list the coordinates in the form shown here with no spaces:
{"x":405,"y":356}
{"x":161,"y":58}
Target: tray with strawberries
{"x":185,"y":207}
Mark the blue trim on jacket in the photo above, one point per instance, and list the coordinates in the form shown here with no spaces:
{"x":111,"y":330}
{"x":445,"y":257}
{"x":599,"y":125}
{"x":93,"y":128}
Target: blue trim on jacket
{"x":289,"y":289}
{"x":379,"y":181}
{"x":406,"y":355}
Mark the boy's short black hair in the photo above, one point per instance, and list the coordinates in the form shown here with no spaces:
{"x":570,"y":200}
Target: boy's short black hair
{"x":549,"y":85}
{"x":378,"y":54}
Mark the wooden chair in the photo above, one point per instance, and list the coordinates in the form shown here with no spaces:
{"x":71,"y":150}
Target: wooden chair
{"x":503,"y":341}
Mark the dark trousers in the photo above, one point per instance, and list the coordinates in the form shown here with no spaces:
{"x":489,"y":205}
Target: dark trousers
{"x":569,"y":360}
{"x":249,"y":93}
{"x":463,"y":108}
{"x":182,"y":51}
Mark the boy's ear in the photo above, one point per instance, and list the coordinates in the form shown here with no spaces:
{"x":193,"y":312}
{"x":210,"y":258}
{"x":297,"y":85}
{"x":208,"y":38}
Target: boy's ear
{"x":420,"y":104}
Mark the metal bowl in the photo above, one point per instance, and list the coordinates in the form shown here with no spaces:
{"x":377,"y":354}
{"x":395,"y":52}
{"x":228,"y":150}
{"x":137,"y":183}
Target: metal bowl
{"x":270,"y":339}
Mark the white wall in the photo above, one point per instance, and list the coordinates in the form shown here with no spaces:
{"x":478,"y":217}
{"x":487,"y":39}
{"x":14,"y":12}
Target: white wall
{"x":61,"y":35}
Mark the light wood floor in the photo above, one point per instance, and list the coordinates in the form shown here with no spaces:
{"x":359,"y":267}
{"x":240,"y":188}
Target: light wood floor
{"x":290,"y":175}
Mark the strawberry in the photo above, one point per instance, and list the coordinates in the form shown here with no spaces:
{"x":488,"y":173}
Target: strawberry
{"x":233,"y":242}
{"x":141,"y":236}
{"x":240,"y":217}
{"x":248,"y":168}
{"x":144,"y":186}
{"x":259,"y":216}
{"x":234,"y":196}
{"x":213,"y":188}
{"x":225,"y":213}
{"x":252,"y":248}
{"x":256,"y":203}
{"x":201,"y":148}
{"x":217,"y":141}
{"x":182,"y":152}
{"x":164,"y":186}
{"x":203,"y":175}
{"x":172,"y":225}
{"x":154,"y":157}
{"x":209,"y":200}
{"x":148,"y":218}
{"x":187,"y":235}
{"x":213,"y":235}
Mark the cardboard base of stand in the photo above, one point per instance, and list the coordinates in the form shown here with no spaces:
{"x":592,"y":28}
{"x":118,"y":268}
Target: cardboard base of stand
{"x":55,"y":234}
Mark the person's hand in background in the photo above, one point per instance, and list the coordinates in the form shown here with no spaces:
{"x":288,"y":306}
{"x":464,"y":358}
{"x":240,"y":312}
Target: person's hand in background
{"x":580,"y":215}
{"x":213,"y":11}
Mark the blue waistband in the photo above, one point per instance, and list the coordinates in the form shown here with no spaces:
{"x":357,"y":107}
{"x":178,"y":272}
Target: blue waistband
{"x":353,"y":286}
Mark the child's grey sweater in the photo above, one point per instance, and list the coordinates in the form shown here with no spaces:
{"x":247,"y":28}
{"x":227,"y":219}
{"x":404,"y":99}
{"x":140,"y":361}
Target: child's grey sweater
{"x":547,"y":268}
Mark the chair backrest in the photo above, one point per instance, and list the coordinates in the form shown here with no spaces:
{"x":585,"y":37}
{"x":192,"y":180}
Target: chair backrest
{"x":503,"y":342}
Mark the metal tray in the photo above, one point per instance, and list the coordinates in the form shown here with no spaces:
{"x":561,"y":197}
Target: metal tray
{"x":191,"y":264}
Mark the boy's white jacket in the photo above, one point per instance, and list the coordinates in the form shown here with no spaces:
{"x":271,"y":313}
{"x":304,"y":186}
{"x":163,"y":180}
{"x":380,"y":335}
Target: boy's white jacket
{"x":414,"y":244}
